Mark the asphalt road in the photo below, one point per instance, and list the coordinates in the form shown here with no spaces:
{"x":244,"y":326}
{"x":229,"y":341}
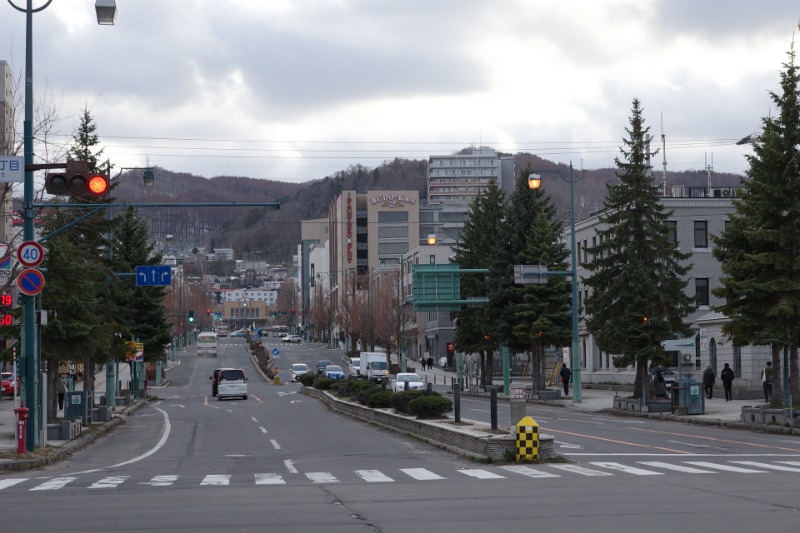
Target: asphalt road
{"x":280,"y":461}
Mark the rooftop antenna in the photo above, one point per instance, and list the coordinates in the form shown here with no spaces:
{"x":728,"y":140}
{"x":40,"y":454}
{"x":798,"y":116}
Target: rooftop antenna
{"x":709,"y":171}
{"x":663,"y":156}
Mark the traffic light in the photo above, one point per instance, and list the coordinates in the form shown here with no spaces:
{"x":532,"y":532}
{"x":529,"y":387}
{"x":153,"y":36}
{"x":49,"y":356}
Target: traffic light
{"x":77,"y":181}
{"x":451,"y":348}
{"x":191,"y":316}
{"x":292,"y":311}
{"x":208,"y":311}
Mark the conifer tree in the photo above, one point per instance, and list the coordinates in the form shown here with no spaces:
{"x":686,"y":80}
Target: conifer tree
{"x":760,"y":249}
{"x":637,"y":297}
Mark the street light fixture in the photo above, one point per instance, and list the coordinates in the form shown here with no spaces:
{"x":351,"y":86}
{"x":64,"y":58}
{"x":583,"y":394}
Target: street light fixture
{"x":534,"y":181}
{"x":106,"y":11}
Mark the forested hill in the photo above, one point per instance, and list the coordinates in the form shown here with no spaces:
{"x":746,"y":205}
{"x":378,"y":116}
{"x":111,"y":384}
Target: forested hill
{"x":272,"y":235}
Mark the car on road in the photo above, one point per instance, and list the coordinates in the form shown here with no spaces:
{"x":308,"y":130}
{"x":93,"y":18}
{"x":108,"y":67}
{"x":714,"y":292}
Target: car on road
{"x":231,"y":383}
{"x":321,"y":366}
{"x":298,"y":369}
{"x":239,"y":333}
{"x":414,"y":382}
{"x":292,"y":338}
{"x":334,"y":372}
{"x":7,"y":384}
{"x":670,"y":377}
{"x":355,"y":367}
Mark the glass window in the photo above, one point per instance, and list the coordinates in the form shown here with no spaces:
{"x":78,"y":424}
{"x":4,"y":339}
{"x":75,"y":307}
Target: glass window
{"x":392,"y":216}
{"x":701,"y":291}
{"x":393,"y":232}
{"x":672,"y":231}
{"x":701,"y":234}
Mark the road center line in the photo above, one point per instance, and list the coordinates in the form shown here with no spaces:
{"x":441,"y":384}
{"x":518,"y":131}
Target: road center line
{"x":275,"y":444}
{"x":290,"y":466}
{"x":617,"y":441}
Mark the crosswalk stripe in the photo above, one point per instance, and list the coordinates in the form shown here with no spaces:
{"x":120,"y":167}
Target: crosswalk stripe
{"x":480,"y":473}
{"x":677,"y":468}
{"x":793,"y":463}
{"x":161,"y":481}
{"x":767,"y":465}
{"x":726,"y":468}
{"x":55,"y":483}
{"x":582,"y":470}
{"x":4,"y":483}
{"x":269,"y":479}
{"x":109,"y":482}
{"x":321,"y":477}
{"x":216,"y":479}
{"x":373,"y":476}
{"x":627,"y":469}
{"x":528,"y":471}
{"x":421,"y":474}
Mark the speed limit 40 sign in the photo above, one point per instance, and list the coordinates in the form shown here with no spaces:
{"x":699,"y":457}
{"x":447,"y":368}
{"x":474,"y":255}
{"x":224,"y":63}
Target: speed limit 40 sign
{"x":30,"y":254}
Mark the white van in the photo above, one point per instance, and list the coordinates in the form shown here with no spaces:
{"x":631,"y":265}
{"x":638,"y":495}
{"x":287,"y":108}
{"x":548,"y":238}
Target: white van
{"x":231,"y":383}
{"x":207,"y":343}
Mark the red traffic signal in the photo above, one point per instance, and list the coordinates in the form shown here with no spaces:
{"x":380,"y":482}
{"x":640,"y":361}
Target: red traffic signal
{"x":77,"y":181}
{"x":451,"y":347}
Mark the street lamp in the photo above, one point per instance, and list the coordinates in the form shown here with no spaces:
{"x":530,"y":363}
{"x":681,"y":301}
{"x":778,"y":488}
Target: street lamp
{"x":534,"y":181}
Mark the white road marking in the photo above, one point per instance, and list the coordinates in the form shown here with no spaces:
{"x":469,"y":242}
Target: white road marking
{"x":238,"y":455}
{"x":5,"y":483}
{"x":295,"y":401}
{"x":569,"y":446}
{"x":321,"y":477}
{"x":528,"y":471}
{"x":767,"y":465}
{"x":480,"y":473}
{"x":422,"y":474}
{"x":160,"y":481}
{"x":290,"y":466}
{"x":216,"y":479}
{"x":627,"y":469}
{"x":254,"y":419}
{"x":727,"y":468}
{"x":269,"y":479}
{"x":109,"y":482}
{"x":263,"y":429}
{"x":373,"y":476}
{"x":677,"y":468}
{"x":275,"y":444}
{"x":282,"y":393}
{"x":691,"y":445}
{"x":575,"y":469}
{"x":55,"y":483}
{"x":178,"y":405}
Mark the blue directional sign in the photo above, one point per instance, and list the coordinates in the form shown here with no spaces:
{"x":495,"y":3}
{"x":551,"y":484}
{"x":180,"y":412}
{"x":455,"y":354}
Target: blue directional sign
{"x":276,"y":353}
{"x":153,"y":276}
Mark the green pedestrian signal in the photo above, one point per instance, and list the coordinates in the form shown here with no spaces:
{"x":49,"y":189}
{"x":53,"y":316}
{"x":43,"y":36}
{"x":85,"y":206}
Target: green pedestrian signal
{"x":191,"y":316}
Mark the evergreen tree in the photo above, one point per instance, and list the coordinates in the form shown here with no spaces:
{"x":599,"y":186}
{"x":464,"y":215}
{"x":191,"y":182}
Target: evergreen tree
{"x":759,"y":248}
{"x":637,"y":297}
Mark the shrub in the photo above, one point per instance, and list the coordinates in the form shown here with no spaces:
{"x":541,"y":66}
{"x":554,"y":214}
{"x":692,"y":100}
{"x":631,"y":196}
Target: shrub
{"x":401,"y":400}
{"x":363,"y":394}
{"x":307,"y":379}
{"x":323,"y":383}
{"x":430,"y":406}
{"x":380,"y":399}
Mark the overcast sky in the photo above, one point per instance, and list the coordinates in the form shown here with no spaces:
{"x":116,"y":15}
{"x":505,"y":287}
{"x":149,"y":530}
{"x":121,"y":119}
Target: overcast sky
{"x":295,"y":90}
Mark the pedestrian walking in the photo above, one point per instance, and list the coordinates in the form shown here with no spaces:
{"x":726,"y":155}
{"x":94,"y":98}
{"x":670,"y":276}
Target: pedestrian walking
{"x":766,"y":381}
{"x":422,"y":360}
{"x":566,"y":376}
{"x":660,"y":385}
{"x":708,"y":382}
{"x":727,"y":382}
{"x":430,"y":363}
{"x":61,"y":390}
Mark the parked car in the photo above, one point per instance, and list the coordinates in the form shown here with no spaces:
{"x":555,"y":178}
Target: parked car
{"x":239,"y":333}
{"x":670,"y":377}
{"x":298,"y":369}
{"x":321,"y":366}
{"x":7,"y":384}
{"x":232,"y":383}
{"x":292,"y":338}
{"x":334,"y":372}
{"x":413,"y":380}
{"x":355,"y":367}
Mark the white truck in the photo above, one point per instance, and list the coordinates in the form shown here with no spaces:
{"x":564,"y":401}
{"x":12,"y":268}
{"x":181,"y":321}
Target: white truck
{"x":374,"y":366}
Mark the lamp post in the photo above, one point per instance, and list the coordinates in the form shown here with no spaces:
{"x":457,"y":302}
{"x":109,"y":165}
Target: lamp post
{"x":534,"y":181}
{"x":29,"y":352}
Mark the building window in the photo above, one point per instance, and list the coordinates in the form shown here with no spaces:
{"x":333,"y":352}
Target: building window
{"x":672,"y":231}
{"x":432,"y":259}
{"x":701,"y":291}
{"x":701,"y":234}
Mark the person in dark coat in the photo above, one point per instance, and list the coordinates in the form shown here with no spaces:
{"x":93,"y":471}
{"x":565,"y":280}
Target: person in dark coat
{"x":708,"y":382}
{"x":566,"y":376}
{"x":660,"y":385}
{"x":727,"y":382}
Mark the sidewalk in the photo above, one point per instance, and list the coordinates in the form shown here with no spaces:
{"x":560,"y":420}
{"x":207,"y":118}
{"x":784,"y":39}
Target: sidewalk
{"x":58,"y":449}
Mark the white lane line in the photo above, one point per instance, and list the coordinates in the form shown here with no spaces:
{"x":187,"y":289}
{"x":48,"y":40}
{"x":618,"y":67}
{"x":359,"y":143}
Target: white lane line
{"x":575,"y":469}
{"x":480,"y":473}
{"x":676,"y":468}
{"x":160,"y":481}
{"x":269,"y":479}
{"x":254,"y":419}
{"x":109,"y":482}
{"x":322,"y":477}
{"x":54,"y":484}
{"x":275,"y":444}
{"x":290,"y":466}
{"x":767,"y":465}
{"x":793,"y":463}
{"x":727,"y":468}
{"x":263,"y":429}
{"x":5,"y":483}
{"x":421,"y":474}
{"x":216,"y":479}
{"x":373,"y":476}
{"x":528,"y":471}
{"x":627,"y":469}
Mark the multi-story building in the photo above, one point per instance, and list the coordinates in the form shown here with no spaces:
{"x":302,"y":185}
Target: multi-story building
{"x":6,"y":146}
{"x":458,"y":178}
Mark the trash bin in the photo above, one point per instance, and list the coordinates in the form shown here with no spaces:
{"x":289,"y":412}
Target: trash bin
{"x":78,"y":404}
{"x":688,"y":394}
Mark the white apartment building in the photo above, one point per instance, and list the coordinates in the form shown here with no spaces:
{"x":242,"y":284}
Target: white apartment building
{"x":458,"y":178}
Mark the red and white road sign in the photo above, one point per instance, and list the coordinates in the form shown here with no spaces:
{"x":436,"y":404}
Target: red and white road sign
{"x":30,"y":281}
{"x":30,"y":254}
